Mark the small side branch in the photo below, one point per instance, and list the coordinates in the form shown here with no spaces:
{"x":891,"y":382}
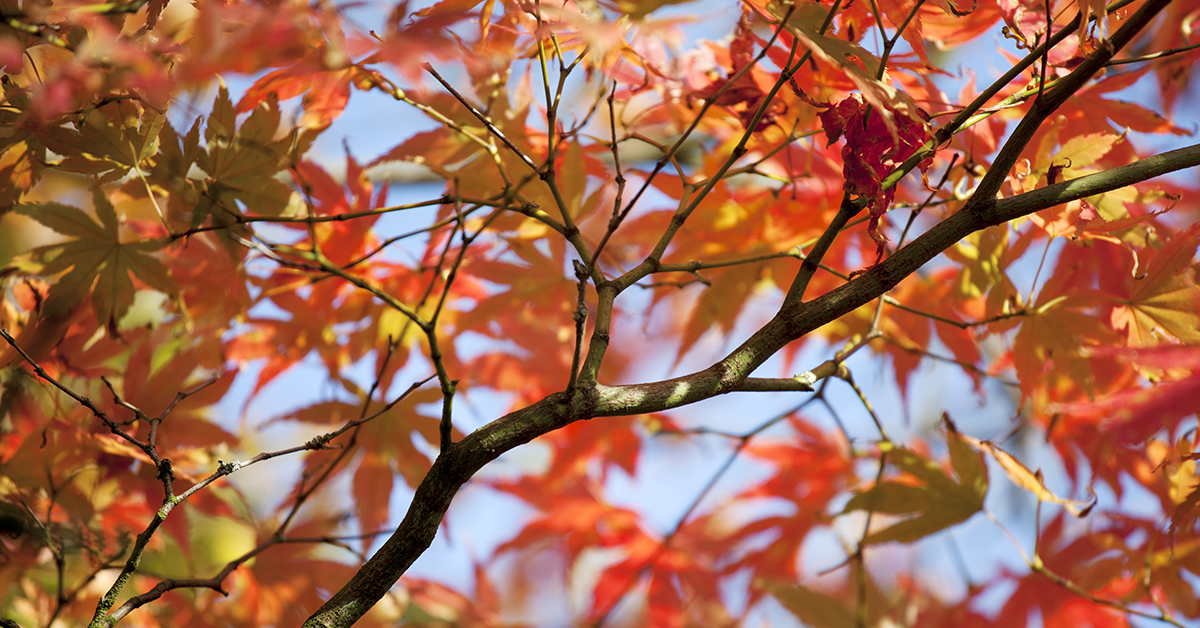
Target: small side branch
{"x":487,"y":123}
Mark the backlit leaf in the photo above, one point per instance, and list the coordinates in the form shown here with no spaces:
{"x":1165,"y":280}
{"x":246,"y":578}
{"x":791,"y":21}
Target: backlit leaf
{"x":96,"y":259}
{"x":119,"y":137}
{"x":1018,"y":473}
{"x":936,"y":502}
{"x":1164,"y":298}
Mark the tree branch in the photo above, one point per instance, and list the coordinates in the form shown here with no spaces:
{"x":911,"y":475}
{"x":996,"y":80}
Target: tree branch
{"x":452,"y":469}
{"x":1049,"y":102}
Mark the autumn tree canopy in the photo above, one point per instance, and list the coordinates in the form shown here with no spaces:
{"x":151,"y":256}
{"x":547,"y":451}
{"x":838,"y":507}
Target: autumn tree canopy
{"x":858,"y":313}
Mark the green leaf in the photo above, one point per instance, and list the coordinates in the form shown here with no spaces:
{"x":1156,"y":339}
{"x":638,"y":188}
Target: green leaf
{"x":813,"y":607}
{"x":243,"y":162}
{"x":110,"y":141}
{"x":62,"y":219}
{"x":177,"y":155}
{"x":95,"y":260}
{"x":222,"y":121}
{"x":934,"y":504}
{"x":967,"y":463}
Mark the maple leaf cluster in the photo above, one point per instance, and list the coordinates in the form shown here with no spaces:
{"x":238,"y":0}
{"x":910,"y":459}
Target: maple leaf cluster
{"x":867,"y":158}
{"x":598,"y":335}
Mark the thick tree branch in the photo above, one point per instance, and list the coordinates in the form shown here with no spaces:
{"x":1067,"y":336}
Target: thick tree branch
{"x":974,"y":217}
{"x":1049,"y":102}
{"x":447,"y":475}
{"x":454,"y":467}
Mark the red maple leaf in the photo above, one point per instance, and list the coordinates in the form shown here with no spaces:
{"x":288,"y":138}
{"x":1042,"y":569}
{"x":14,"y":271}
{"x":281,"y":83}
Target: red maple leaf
{"x":868,"y":156}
